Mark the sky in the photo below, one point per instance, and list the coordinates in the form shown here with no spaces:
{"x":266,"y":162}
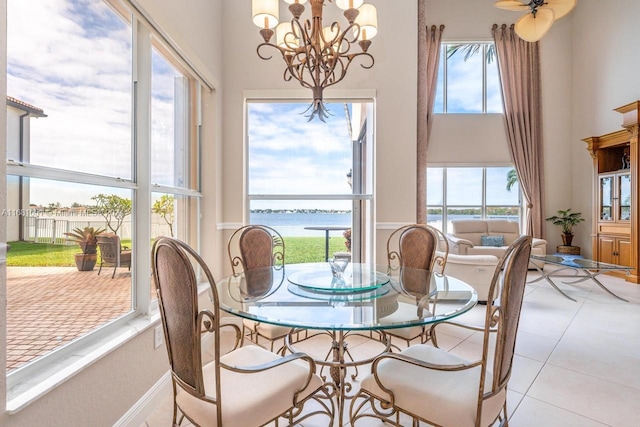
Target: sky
{"x":73,"y":59}
{"x":290,"y":155}
{"x":464,"y":84}
{"x":75,"y":63}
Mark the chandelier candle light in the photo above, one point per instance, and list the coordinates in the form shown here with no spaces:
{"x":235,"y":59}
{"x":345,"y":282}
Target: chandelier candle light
{"x":314,"y":55}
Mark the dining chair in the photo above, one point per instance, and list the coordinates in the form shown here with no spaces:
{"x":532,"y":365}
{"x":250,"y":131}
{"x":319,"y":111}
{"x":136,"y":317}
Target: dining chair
{"x":252,"y":249}
{"x":113,"y":253}
{"x":440,"y":388}
{"x":421,"y":249}
{"x":248,"y":386}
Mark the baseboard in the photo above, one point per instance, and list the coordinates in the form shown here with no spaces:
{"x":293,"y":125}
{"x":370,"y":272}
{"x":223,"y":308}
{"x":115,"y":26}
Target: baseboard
{"x":142,"y":410}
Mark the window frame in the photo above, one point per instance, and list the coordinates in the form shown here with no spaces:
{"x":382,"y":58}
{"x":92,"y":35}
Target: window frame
{"x":445,"y":76}
{"x":363,"y":205}
{"x":30,"y":381}
{"x":483,"y":206}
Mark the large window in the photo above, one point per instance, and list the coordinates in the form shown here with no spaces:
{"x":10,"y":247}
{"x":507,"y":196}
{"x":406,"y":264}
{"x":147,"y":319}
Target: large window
{"x":91,"y":143}
{"x":303,"y":176}
{"x":468,"y":79}
{"x":470,"y":193}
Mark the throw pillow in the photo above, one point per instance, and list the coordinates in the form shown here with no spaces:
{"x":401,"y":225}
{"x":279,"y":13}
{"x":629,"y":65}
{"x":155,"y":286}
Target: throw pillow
{"x":492,"y":241}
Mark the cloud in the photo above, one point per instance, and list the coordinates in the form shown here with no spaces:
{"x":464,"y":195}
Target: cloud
{"x":73,"y":60}
{"x":288,"y":155}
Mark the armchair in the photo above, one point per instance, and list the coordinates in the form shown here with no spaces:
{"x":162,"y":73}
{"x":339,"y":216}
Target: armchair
{"x":415,"y":246}
{"x":250,"y":249}
{"x":248,"y":386}
{"x":488,"y":237}
{"x":113,"y":253}
{"x":440,"y":388}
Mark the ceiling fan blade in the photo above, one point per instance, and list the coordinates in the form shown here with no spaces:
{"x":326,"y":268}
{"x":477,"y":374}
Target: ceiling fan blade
{"x":514,"y":5}
{"x":560,"y":7}
{"x":533,"y":28}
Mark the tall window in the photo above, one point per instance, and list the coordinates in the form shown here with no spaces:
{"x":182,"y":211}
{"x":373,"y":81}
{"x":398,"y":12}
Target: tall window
{"x":309,"y":175}
{"x":72,"y":163}
{"x":471,"y":192}
{"x":468,"y":79}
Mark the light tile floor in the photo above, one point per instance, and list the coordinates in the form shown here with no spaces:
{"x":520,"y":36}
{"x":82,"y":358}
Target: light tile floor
{"x":577,"y":364}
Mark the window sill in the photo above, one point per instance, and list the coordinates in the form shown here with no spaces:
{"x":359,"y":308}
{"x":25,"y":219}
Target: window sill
{"x":50,"y":375}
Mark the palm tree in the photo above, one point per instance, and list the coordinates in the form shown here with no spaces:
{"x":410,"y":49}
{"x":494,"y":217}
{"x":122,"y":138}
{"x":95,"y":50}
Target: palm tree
{"x":470,"y":49}
{"x":512,"y":179}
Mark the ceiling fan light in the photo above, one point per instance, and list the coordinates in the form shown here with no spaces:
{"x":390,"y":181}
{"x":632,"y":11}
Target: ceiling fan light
{"x":532,"y":28}
{"x":513,"y":5}
{"x":560,"y":7}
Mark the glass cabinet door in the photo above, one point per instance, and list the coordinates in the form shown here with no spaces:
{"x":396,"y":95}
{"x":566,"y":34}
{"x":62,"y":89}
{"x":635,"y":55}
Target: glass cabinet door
{"x":606,"y":198}
{"x":624,"y":197}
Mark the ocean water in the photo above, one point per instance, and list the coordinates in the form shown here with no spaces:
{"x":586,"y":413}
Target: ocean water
{"x":293,"y":224}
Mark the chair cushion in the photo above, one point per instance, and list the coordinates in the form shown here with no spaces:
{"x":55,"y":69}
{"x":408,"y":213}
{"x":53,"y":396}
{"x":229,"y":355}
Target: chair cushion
{"x":447,"y":398}
{"x":249,"y":399}
{"x":497,"y":240}
{"x":502,"y":227}
{"x":266,"y":330}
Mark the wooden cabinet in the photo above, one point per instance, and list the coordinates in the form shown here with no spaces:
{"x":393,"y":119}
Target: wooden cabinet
{"x":614,"y":198}
{"x":614,"y":250}
{"x":615,"y":193}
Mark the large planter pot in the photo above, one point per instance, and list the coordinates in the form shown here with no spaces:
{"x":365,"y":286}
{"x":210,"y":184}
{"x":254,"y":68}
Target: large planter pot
{"x":86,"y":262}
{"x":567,"y":239}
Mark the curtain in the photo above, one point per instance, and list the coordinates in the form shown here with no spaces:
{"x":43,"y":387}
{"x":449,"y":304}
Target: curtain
{"x":519,"y":66}
{"x":428,"y":59}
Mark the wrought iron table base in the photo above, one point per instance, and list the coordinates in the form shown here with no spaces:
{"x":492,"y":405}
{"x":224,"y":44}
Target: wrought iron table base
{"x":338,"y":363}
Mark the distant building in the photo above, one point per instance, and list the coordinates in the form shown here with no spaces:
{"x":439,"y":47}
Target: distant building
{"x":18,"y":151}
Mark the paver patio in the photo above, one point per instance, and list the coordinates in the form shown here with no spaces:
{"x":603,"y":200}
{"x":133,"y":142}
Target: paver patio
{"x":47,"y":307}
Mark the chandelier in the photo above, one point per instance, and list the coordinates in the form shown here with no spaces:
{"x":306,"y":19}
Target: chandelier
{"x":541,"y":14}
{"x":317,"y":56}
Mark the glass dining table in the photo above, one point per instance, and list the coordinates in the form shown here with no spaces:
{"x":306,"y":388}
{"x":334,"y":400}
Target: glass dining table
{"x":365,"y":300}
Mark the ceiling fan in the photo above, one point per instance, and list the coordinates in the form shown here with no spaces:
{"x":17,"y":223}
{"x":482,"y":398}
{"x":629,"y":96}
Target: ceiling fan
{"x":539,"y":17}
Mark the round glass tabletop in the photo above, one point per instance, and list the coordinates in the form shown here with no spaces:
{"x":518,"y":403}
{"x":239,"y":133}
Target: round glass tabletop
{"x":408,"y":297}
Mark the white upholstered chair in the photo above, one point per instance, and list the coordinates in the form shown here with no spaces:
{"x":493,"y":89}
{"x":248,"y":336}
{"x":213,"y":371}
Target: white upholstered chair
{"x":249,"y":386}
{"x":440,"y":388}
{"x":474,"y":270}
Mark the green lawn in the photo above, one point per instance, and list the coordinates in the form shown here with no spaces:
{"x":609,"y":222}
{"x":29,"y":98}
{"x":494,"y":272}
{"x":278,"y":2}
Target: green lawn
{"x":28,"y":254}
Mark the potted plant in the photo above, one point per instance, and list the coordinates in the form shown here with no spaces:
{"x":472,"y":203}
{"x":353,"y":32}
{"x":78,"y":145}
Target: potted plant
{"x":566,"y":220}
{"x":87,"y":239}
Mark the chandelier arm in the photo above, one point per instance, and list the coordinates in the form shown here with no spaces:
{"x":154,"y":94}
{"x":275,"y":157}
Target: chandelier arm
{"x":344,"y":68}
{"x":262,"y":45}
{"x":302,"y":66}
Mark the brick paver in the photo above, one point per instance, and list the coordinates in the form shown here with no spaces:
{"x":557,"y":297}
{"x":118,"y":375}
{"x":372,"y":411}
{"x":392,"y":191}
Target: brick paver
{"x":48,"y":307}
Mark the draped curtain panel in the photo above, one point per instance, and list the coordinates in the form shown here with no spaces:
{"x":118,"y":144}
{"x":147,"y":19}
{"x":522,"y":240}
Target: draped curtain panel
{"x":519,"y":66}
{"x":428,"y":58}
